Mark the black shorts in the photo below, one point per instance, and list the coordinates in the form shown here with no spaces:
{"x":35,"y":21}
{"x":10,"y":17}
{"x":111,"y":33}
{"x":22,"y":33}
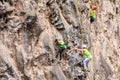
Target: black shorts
{"x":92,"y":19}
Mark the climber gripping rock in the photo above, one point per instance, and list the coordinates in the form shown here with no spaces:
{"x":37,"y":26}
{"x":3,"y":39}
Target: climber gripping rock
{"x":87,"y":55}
{"x":62,"y":47}
{"x":93,"y":14}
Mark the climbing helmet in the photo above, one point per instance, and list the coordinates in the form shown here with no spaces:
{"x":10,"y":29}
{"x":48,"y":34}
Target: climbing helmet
{"x":94,"y":7}
{"x":84,"y":46}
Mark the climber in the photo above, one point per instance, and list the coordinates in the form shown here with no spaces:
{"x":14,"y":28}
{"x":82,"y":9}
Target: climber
{"x":93,"y":14}
{"x":62,"y":47}
{"x":87,"y":54}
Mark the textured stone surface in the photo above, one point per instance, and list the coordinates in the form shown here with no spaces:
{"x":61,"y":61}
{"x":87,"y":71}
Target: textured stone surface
{"x":27,"y":33}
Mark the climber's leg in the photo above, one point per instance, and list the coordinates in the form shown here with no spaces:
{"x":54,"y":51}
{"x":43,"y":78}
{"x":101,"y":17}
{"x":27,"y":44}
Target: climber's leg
{"x":85,"y":62}
{"x":57,"y":55}
{"x":61,"y":51}
{"x":91,"y":22}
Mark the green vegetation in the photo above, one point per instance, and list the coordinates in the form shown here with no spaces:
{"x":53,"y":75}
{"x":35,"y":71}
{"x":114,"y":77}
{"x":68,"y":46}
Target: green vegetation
{"x":119,"y":68}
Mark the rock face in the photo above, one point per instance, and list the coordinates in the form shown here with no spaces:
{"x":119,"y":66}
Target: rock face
{"x":28,"y":29}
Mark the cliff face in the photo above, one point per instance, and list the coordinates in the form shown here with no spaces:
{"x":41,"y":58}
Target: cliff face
{"x":106,"y":43}
{"x":28,"y":29}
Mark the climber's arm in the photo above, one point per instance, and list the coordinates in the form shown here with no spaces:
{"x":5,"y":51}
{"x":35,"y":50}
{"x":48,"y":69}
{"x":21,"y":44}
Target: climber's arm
{"x":70,"y":50}
{"x":79,"y":49}
{"x":76,"y":49}
{"x":82,"y":50}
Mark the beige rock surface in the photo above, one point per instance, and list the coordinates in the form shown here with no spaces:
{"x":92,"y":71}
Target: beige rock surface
{"x":27,"y":39}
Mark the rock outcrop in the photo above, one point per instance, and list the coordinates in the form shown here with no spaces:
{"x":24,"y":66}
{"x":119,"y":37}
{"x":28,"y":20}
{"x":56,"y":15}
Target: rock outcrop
{"x":28,"y":29}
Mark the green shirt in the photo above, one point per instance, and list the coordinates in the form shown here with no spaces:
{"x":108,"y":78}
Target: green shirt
{"x":93,"y":13}
{"x":87,"y":54}
{"x":62,"y":45}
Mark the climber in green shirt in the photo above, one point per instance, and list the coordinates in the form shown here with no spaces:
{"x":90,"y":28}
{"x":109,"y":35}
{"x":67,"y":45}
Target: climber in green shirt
{"x":87,"y":54}
{"x":62,"y":47}
{"x":93,"y":14}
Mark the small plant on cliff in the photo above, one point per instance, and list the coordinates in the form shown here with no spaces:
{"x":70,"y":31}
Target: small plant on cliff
{"x":119,"y":68}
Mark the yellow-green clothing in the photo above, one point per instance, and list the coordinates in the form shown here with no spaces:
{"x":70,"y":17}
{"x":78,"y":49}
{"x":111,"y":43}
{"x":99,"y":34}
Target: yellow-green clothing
{"x":93,"y":13}
{"x":62,"y":44}
{"x":87,"y":54}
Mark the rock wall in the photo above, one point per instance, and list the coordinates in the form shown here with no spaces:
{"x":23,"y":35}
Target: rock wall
{"x":106,"y":43}
{"x":28,"y":29}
